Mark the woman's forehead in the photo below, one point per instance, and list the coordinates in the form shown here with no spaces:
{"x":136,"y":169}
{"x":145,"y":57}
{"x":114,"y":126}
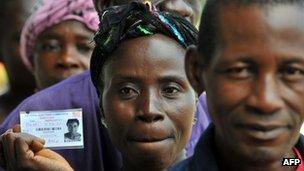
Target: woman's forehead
{"x":155,"y":46}
{"x":70,"y":26}
{"x":155,"y":52}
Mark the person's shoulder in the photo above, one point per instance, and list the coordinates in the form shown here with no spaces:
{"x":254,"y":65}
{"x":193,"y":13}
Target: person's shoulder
{"x":202,"y":121}
{"x":78,"y":84}
{"x":83,"y":77}
{"x":67,"y":135}
{"x":73,"y":82}
{"x":205,"y":156}
{"x":78,"y":137}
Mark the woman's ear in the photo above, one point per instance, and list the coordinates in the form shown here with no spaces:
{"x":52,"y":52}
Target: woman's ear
{"x":194,"y":69}
{"x":101,"y":4}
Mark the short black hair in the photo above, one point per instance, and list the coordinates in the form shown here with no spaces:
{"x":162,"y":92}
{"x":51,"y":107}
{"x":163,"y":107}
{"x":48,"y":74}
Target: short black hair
{"x":209,"y":40}
{"x":73,"y":120}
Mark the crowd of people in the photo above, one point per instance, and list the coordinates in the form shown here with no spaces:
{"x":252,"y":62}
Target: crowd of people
{"x":162,"y":84}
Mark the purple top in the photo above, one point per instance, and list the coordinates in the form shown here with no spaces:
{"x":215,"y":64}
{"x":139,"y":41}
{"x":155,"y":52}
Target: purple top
{"x":98,"y":152}
{"x":202,"y":124}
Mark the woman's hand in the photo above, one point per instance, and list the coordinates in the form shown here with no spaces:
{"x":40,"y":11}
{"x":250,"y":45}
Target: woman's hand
{"x":21,"y":151}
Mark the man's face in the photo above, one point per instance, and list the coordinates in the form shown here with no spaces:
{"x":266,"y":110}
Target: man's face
{"x":72,"y":127}
{"x":255,"y":82}
{"x":189,"y":9}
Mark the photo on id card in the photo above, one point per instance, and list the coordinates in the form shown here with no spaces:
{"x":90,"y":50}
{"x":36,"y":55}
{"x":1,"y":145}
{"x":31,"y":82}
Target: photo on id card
{"x":61,"y":129}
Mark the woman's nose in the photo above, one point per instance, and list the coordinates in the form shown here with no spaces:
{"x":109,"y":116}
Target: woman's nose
{"x":149,"y":109}
{"x":69,"y":59}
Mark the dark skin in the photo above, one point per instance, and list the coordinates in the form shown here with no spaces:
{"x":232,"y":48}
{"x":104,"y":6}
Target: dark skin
{"x":178,"y":7}
{"x":61,"y":51}
{"x":189,"y":9}
{"x":254,"y":85}
{"x":144,"y":107}
{"x":21,"y":85}
{"x":29,"y":153}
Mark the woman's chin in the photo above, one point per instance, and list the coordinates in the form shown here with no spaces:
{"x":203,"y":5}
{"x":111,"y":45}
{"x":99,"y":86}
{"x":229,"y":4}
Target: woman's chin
{"x":158,"y":154}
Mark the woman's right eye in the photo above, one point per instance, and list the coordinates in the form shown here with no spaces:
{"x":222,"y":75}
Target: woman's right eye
{"x":128,"y":93}
{"x":50,"y":46}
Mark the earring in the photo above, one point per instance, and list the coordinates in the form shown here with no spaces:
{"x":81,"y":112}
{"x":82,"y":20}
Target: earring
{"x":194,"y":118}
{"x":196,"y":98}
{"x":104,"y":123}
{"x":194,"y":121}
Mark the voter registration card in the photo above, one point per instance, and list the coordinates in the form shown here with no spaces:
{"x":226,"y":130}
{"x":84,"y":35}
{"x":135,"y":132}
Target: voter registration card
{"x":61,"y":129}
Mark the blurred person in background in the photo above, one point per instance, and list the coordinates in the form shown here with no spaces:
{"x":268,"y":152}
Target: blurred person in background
{"x":53,"y":45}
{"x":56,"y":41}
{"x":13,"y":14}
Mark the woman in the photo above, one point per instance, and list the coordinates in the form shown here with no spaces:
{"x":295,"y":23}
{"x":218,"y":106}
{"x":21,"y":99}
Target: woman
{"x":56,"y":40}
{"x":143,"y":87}
{"x":146,"y":99}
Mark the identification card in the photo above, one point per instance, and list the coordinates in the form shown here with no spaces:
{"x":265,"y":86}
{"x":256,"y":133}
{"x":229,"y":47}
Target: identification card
{"x":61,"y":129}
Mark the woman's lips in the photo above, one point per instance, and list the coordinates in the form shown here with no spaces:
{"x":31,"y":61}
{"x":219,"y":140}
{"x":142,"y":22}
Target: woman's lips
{"x":149,"y":139}
{"x":148,"y":144}
{"x":150,"y":133}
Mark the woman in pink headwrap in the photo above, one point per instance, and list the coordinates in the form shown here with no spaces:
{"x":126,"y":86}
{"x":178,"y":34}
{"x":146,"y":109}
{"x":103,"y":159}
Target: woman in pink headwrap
{"x":56,"y":41}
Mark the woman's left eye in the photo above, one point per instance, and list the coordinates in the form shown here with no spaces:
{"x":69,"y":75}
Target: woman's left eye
{"x":50,"y":46}
{"x":128,"y":93}
{"x":171,"y":91}
{"x":84,"y":48}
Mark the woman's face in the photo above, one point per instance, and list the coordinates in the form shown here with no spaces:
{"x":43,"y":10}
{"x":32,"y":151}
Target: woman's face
{"x":147,"y":101}
{"x":62,"y":51}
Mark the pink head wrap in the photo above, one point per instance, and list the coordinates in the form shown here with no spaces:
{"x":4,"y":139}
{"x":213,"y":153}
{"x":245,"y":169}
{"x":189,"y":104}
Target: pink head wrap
{"x":53,"y":12}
